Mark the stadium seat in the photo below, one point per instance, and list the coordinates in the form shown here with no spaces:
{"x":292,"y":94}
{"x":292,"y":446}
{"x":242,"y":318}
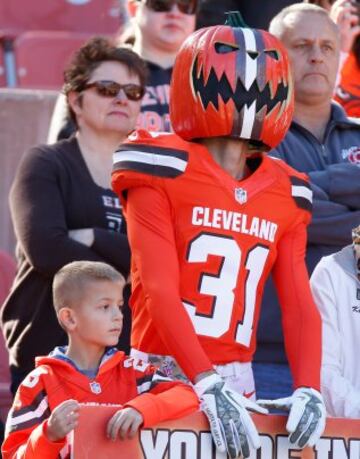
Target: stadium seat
{"x":7,"y":274}
{"x":41,"y":57}
{"x":85,"y":16}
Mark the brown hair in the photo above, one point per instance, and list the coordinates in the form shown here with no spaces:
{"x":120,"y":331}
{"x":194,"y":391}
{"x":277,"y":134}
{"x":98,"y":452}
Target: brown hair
{"x":93,"y":53}
{"x":69,"y":282}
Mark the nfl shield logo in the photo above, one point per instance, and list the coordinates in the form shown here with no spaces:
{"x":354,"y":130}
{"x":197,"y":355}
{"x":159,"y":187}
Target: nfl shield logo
{"x":240,"y":195}
{"x":95,"y":387}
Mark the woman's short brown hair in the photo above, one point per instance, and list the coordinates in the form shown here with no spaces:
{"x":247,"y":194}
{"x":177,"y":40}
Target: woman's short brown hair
{"x":93,"y":53}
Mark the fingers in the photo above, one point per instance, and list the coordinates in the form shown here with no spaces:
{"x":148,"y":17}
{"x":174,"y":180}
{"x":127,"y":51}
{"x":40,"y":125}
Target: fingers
{"x":63,"y":420}
{"x":254,"y":407}
{"x":307,"y":418}
{"x":283,"y":404}
{"x":124,"y":424}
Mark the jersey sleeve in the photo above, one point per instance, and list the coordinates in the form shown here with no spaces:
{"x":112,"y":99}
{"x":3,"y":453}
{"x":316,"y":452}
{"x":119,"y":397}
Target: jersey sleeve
{"x":161,"y":398}
{"x":152,"y":242}
{"x":300,"y":317}
{"x":25,"y":436}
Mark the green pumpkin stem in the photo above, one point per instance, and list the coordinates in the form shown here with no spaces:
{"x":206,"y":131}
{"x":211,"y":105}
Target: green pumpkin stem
{"x":234,"y":19}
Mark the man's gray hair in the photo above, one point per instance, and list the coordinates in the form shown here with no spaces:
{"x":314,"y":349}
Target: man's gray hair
{"x":278,"y":24}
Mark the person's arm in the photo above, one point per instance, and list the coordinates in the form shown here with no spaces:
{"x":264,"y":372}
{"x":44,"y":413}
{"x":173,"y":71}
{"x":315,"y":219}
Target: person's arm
{"x":39,"y":216}
{"x":341,"y":397}
{"x":111,"y":245}
{"x":27,"y":424}
{"x":300,"y":317}
{"x":153,"y":248}
{"x":341,"y":182}
{"x":331,"y":222}
{"x":161,"y":398}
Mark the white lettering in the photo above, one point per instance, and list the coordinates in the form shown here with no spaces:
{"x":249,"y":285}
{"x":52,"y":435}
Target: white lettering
{"x":323,"y":447}
{"x":196,"y":218}
{"x":234,"y":221}
{"x":206,"y":221}
{"x":183,"y":445}
{"x":154,"y":447}
{"x":285,"y":450}
{"x":340,"y":451}
{"x":227,"y":217}
{"x":264,"y":229}
{"x":244,"y":230}
{"x":217,"y":218}
{"x":254,"y":228}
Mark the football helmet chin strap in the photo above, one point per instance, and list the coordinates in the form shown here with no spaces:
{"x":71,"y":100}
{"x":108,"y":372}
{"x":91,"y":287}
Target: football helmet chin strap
{"x":307,"y":416}
{"x":231,"y":425}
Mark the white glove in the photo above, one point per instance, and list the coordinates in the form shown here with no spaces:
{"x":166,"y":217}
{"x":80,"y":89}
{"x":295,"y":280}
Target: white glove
{"x":231,"y":425}
{"x":307,"y":417}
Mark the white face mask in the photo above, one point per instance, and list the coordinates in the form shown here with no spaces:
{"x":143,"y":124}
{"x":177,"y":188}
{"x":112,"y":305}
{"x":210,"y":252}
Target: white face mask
{"x":356,"y":245}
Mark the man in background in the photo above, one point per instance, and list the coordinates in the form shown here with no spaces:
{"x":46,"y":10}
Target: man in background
{"x":324,"y":143}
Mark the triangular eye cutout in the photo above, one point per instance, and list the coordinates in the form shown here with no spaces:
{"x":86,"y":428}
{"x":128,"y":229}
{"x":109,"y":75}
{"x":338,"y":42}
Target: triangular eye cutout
{"x":272,"y":53}
{"x":253,"y":54}
{"x":224,"y":48}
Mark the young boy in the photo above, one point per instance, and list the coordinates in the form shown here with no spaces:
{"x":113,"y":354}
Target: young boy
{"x":88,"y":300}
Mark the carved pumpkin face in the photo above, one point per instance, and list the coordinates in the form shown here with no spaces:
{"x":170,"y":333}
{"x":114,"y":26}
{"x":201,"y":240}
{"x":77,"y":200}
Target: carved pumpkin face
{"x":232,"y":81}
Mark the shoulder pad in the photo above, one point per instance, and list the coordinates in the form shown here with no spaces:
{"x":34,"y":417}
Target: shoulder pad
{"x":301,"y":191}
{"x":162,"y":156}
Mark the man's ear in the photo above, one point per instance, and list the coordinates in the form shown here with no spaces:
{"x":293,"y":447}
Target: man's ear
{"x":74,"y":100}
{"x":67,"y":318}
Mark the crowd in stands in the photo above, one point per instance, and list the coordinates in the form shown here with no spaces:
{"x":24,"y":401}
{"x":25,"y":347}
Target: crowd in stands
{"x":100,"y":215}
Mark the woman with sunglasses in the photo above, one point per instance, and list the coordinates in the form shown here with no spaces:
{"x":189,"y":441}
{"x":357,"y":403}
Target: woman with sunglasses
{"x":156,"y":31}
{"x":61,"y":203}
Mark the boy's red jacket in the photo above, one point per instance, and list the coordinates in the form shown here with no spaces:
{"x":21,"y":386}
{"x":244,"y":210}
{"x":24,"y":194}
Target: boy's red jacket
{"x":120,"y":380}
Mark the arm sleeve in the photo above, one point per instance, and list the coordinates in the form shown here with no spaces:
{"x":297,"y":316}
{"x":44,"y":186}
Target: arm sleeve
{"x":341,"y":397}
{"x":336,"y":200}
{"x":331,"y":223}
{"x":113,"y":247}
{"x":165,"y":400}
{"x":25,"y":436}
{"x":39,"y":216}
{"x":300,"y":317}
{"x":153,"y":248}
{"x":341,"y":182}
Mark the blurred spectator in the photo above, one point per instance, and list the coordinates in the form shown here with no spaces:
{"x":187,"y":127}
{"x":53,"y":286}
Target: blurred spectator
{"x":346,"y":15}
{"x":322,"y":142}
{"x":212,"y":12}
{"x":156,"y":32}
{"x":335,"y":284}
{"x":61,"y":203}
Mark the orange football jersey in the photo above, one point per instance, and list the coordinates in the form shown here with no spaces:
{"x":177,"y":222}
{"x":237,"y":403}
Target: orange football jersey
{"x":205,"y":243}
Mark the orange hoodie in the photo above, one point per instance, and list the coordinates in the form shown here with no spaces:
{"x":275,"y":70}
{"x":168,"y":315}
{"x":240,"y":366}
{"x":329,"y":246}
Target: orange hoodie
{"x":120,"y":380}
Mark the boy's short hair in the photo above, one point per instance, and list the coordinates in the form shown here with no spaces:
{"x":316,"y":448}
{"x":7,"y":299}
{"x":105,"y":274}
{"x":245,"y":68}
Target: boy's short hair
{"x":70,"y":280}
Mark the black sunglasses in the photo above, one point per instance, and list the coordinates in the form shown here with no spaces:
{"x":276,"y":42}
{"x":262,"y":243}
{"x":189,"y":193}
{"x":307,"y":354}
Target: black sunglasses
{"x":108,"y":88}
{"x":162,"y":6}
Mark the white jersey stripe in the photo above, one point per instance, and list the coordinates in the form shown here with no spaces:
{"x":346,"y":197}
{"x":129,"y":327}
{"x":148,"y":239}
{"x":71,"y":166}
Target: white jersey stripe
{"x":146,"y":158}
{"x":248,"y":120}
{"x":251,"y":64}
{"x":299,"y":191}
{"x":37,"y":413}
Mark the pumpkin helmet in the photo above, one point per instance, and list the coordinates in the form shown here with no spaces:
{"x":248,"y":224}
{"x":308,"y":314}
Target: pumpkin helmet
{"x":232,"y":81}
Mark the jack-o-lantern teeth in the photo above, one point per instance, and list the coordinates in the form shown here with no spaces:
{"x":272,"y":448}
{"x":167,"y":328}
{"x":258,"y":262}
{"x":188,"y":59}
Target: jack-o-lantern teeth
{"x":212,"y":89}
{"x":232,"y":81}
